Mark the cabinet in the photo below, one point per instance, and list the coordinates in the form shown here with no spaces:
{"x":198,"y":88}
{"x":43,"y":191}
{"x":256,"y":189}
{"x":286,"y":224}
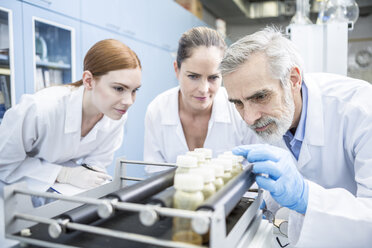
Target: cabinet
{"x":53,"y":54}
{"x":50,"y":51}
{"x":11,"y":51}
{"x":6,"y":86}
{"x":70,"y":8}
{"x":167,"y":23}
{"x":122,"y":17}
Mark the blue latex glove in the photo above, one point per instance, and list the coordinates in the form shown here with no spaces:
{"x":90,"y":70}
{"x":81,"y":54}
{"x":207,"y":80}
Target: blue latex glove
{"x":285,"y":184}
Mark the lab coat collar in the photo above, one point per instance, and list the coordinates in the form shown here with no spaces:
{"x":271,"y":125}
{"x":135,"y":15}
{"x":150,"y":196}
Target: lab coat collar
{"x":314,"y":127}
{"x":74,"y":110}
{"x":304,"y":156}
{"x":169,"y":116}
{"x":102,"y":125}
{"x":220,"y":110}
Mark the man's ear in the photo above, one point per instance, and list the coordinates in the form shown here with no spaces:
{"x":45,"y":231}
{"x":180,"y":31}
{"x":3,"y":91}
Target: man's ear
{"x":88,"y":80}
{"x":295,"y":78}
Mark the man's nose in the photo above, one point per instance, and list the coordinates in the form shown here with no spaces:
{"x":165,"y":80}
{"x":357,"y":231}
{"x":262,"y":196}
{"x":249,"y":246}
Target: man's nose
{"x":251,"y":115}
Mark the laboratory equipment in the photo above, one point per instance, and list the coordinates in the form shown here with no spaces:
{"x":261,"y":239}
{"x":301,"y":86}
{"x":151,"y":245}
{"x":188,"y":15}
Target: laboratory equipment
{"x":302,"y":13}
{"x":116,"y":221}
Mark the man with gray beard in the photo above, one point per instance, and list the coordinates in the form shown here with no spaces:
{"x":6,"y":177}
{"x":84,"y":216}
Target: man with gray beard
{"x":319,"y":127}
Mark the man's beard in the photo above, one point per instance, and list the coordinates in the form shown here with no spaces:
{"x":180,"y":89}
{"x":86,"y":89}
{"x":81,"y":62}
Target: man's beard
{"x":278,"y":127}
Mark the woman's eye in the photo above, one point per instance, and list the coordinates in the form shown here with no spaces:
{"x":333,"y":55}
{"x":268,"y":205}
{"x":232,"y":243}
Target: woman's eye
{"x":213,"y":78}
{"x":119,"y":89}
{"x":191,"y":76}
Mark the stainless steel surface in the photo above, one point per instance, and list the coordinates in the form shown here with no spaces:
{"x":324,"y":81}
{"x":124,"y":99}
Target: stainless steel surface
{"x":221,"y":235}
{"x":79,"y":199}
{"x":170,"y":212}
{"x":105,"y":209}
{"x":148,"y":217}
{"x":25,"y":241}
{"x":150,"y":163}
{"x":55,"y":230}
{"x":200,"y":225}
{"x":110,"y":233}
{"x":133,"y":178}
{"x":218,"y":226}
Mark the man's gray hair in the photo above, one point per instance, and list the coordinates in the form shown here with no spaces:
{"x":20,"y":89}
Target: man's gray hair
{"x":281,"y":53}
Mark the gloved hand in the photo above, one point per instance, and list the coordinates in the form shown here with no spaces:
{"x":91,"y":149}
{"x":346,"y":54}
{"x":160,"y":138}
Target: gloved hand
{"x":285,"y":184}
{"x":82,"y":177}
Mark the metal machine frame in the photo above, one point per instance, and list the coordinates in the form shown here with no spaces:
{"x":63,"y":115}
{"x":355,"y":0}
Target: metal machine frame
{"x":20,"y":214}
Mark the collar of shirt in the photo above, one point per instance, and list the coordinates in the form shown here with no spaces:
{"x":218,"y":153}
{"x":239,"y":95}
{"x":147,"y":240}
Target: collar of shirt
{"x":294,"y":142}
{"x":74,"y":108}
{"x":220,"y":110}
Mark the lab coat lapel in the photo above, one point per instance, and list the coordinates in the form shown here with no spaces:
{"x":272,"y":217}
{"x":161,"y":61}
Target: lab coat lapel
{"x":102,"y":125}
{"x":220,"y":113}
{"x":74,"y":110}
{"x":181,"y":135}
{"x":171,"y":117}
{"x":304,"y":156}
{"x":314,"y":127}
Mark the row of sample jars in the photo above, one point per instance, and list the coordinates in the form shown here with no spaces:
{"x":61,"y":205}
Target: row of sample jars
{"x":197,"y":178}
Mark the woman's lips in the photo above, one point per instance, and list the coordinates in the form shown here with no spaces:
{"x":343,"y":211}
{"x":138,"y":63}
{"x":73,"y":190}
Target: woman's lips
{"x":121,"y":111}
{"x":201,"y":98}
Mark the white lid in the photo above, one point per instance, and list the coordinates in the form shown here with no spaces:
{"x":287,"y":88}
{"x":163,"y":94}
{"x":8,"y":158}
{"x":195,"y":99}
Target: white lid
{"x":239,"y":158}
{"x":192,"y":182}
{"x":228,"y":153}
{"x":207,"y":152}
{"x":226,"y":162}
{"x":231,"y":157}
{"x":218,"y":168}
{"x":207,"y":172}
{"x":186,"y":161}
{"x":199,"y":156}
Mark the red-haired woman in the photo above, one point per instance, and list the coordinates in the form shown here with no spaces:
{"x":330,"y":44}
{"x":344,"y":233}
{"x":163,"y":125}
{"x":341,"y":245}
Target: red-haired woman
{"x":46,"y":137}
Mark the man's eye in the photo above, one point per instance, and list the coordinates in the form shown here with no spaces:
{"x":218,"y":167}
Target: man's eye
{"x":260,"y":97}
{"x":238,"y":104}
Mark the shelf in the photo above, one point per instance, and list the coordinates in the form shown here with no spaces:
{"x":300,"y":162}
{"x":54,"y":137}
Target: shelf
{"x":4,"y":71}
{"x":4,"y":60}
{"x":53,"y":65}
{"x":4,"y":57}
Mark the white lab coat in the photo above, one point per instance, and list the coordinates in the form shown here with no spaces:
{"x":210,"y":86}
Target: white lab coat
{"x":43,"y":132}
{"x":164,"y":137}
{"x":336,"y":159}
